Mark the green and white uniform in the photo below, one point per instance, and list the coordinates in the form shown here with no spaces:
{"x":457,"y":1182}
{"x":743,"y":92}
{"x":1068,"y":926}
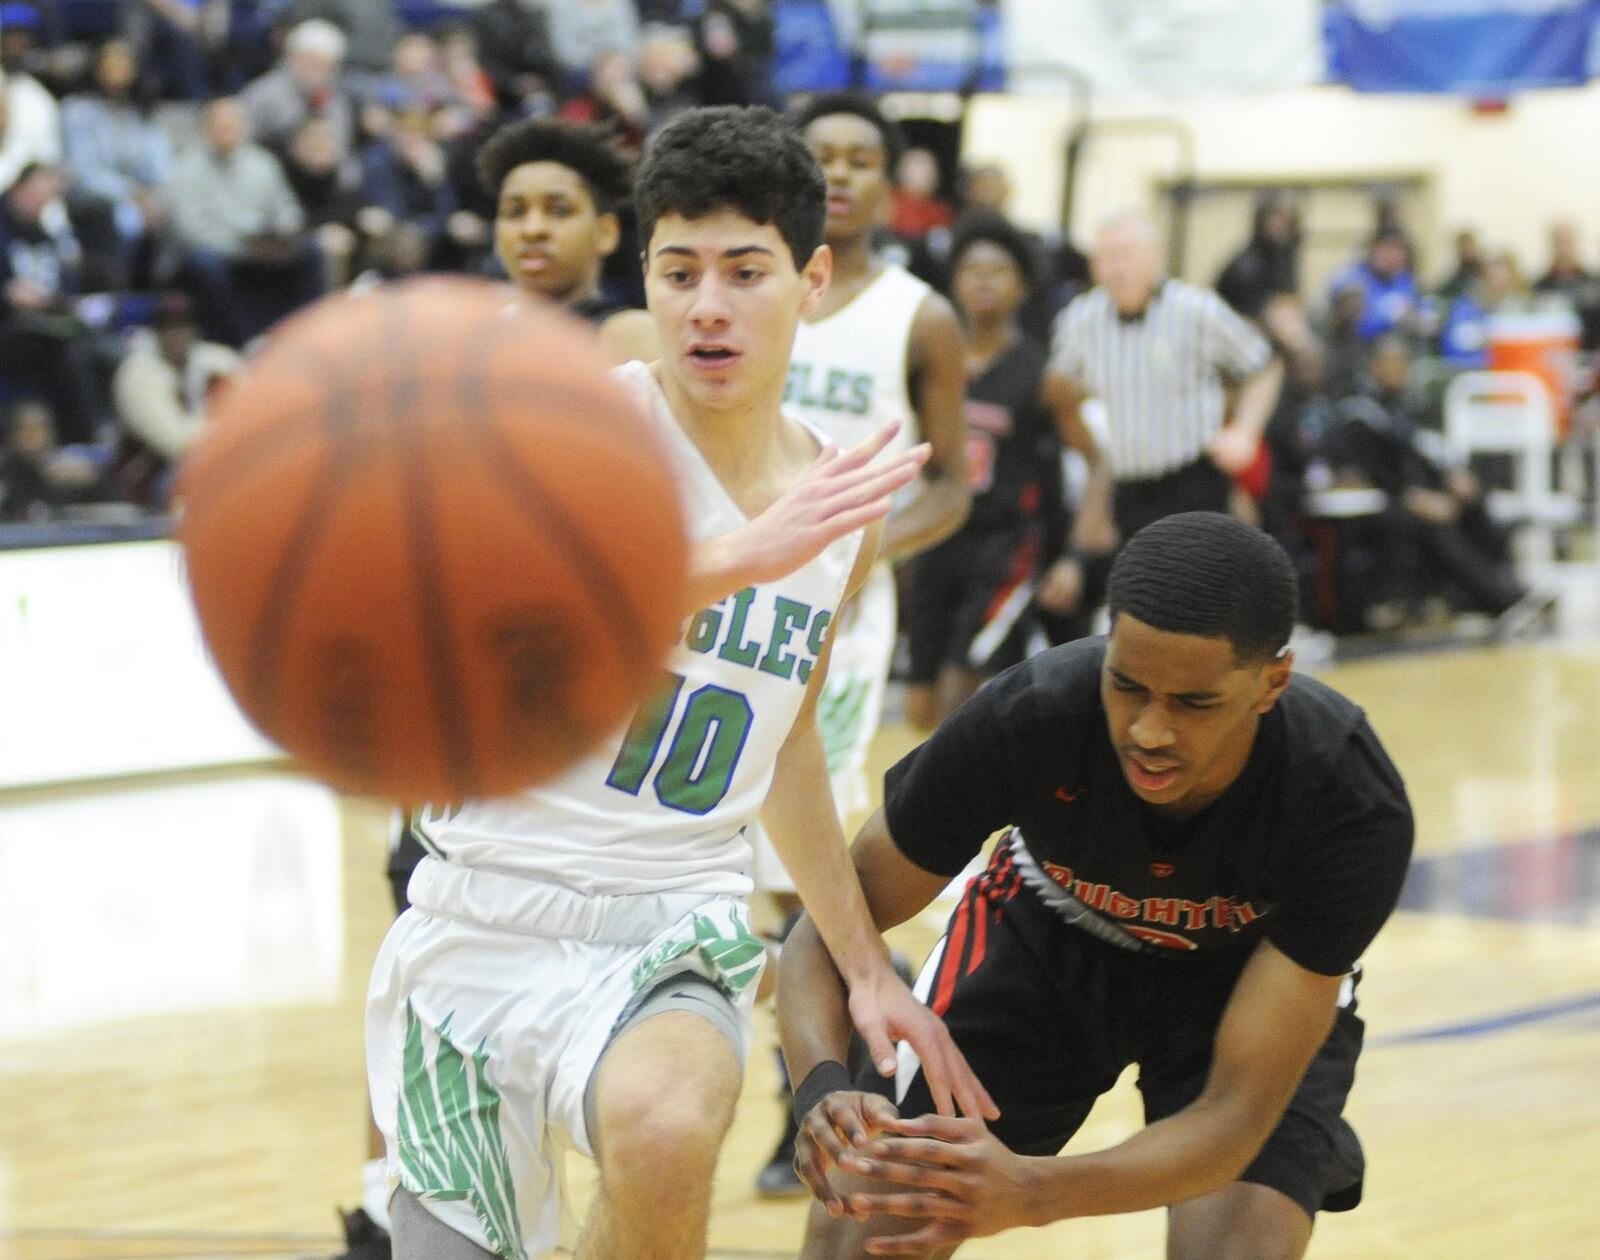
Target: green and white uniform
{"x":847,"y":376}
{"x":537,"y":917}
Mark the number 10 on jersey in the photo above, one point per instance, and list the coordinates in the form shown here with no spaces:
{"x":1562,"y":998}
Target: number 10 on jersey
{"x":702,"y":752}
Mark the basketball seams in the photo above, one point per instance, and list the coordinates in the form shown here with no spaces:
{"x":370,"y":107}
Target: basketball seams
{"x":547,"y":515}
{"x":432,"y":609}
{"x":266,"y":642}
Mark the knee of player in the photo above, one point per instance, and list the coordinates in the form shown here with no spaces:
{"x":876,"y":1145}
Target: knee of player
{"x":664,"y":1130}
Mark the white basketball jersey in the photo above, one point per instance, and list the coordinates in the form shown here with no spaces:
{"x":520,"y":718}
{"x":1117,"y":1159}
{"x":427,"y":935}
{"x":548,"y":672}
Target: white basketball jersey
{"x":662,"y":805}
{"x":848,"y":372}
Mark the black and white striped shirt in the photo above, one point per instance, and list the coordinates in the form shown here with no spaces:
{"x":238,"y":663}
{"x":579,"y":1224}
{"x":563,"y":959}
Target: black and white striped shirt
{"x":1160,"y":375}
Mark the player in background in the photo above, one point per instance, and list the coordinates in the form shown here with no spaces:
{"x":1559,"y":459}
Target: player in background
{"x":558,"y":188}
{"x":882,"y":345}
{"x":965,"y":608}
{"x":577,"y":968}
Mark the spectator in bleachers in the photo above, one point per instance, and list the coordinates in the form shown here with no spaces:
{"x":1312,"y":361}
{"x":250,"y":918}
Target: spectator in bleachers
{"x":415,"y":78}
{"x":915,"y":207}
{"x":405,"y":176}
{"x":117,"y":151}
{"x":45,"y":342}
{"x":985,"y":190}
{"x":1387,"y":285}
{"x":1567,"y":277}
{"x":175,"y":41}
{"x":329,"y":192}
{"x":668,"y":72}
{"x":307,"y":81}
{"x":614,"y":95}
{"x":1438,"y":532}
{"x":581,"y":31}
{"x":1468,"y":268}
{"x":514,"y":45}
{"x":736,"y":41}
{"x":163,"y":391}
{"x":38,"y":477}
{"x":233,"y":209}
{"x":1269,"y":264}
{"x":30,"y":117}
{"x":370,"y":28}
{"x":1499,"y":290}
{"x":470,"y":84}
{"x":1345,"y":350}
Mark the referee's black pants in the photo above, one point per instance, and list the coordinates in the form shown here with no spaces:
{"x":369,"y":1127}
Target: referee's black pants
{"x":1196,"y":487}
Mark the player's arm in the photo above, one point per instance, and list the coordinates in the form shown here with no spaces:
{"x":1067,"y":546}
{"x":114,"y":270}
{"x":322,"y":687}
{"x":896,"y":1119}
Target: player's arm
{"x":967,"y":1184}
{"x":839,"y":492}
{"x":937,"y":369}
{"x":1244,"y":354}
{"x":813,"y":1011}
{"x":803,"y":825}
{"x":630,"y":335}
{"x":1094,"y":529}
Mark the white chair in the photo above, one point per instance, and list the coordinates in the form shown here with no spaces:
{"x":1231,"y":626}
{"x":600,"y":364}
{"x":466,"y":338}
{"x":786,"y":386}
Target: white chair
{"x":1510,"y":414}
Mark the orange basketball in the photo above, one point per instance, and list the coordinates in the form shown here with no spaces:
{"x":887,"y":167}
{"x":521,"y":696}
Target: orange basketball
{"x":436,"y":551}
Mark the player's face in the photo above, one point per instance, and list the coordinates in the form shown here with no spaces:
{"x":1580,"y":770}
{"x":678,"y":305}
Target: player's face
{"x":727,"y":298}
{"x":548,"y":233}
{"x":987,"y":284}
{"x":850,"y":151}
{"x":1182,"y":711}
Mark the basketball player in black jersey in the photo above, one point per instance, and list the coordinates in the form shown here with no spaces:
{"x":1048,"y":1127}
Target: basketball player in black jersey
{"x":963,"y":606}
{"x":1200,"y":846}
{"x":558,"y":189}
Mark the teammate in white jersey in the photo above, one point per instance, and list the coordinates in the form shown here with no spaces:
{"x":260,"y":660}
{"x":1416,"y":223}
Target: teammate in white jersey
{"x":882,"y":345}
{"x":577,"y":966}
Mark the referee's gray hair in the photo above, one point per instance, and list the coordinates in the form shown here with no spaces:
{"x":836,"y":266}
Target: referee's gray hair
{"x":1137,"y":219}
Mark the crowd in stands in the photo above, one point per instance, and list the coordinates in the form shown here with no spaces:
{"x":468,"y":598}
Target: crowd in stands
{"x":170,"y":190}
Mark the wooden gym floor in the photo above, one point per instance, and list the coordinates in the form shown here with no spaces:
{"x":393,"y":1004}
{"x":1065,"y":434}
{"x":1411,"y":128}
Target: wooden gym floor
{"x":182,"y":966}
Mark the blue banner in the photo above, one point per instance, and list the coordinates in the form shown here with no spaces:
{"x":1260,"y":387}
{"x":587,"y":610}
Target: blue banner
{"x":1473,"y":47}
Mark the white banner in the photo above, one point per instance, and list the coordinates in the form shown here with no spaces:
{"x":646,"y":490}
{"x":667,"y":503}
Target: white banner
{"x":1142,"y":52}
{"x":102,"y":670}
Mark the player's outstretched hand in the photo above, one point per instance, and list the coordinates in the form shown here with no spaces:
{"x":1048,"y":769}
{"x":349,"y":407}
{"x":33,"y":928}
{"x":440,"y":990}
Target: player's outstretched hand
{"x":956,"y":1175}
{"x":884,"y":1012}
{"x":841,"y":491}
{"x":840,"y":1121}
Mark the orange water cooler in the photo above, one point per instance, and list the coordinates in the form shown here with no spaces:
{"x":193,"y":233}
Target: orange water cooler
{"x":1543,"y":341}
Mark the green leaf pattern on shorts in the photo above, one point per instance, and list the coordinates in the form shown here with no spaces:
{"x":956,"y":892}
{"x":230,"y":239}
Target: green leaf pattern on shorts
{"x":841,"y":709}
{"x":714,"y":941}
{"x":451,"y":1148}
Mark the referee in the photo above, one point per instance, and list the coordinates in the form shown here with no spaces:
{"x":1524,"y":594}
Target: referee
{"x":1163,"y":357}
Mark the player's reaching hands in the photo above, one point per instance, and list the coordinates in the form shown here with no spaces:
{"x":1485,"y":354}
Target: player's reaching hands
{"x":884,"y":1012}
{"x":841,"y":491}
{"x":953,"y":1173}
{"x":840,"y":1122}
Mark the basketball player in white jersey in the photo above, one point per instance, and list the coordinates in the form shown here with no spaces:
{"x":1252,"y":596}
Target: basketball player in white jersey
{"x":576,"y":969}
{"x":558,"y":188}
{"x":882,"y":345}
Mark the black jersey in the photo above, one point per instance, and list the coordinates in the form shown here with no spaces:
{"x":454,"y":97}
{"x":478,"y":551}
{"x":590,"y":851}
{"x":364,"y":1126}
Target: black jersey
{"x":1308,"y":847}
{"x":597,"y":310}
{"x":1009,"y":438}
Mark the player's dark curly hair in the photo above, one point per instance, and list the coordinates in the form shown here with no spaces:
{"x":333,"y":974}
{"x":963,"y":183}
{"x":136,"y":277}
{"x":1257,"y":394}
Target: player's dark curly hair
{"x":1207,"y":574}
{"x":590,"y":150}
{"x":996,"y":231}
{"x":740,"y":158}
{"x":825,"y":104}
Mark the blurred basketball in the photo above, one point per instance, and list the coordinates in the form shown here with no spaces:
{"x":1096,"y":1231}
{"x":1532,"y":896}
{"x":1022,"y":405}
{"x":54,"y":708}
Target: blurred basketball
{"x":436,"y":550}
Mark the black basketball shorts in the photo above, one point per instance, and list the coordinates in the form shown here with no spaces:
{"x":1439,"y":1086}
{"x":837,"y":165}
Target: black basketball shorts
{"x":1049,"y":1016}
{"x":959,"y":588}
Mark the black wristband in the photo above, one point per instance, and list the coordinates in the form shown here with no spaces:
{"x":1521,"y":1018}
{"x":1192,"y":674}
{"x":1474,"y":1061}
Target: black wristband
{"x":828,"y":1077}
